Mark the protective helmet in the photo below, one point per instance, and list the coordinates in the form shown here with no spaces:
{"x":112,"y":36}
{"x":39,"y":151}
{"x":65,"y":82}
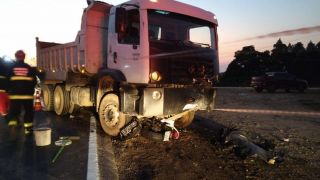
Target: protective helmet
{"x":20,"y":55}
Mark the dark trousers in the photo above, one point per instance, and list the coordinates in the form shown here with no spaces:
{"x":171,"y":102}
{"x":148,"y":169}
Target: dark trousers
{"x":17,"y":106}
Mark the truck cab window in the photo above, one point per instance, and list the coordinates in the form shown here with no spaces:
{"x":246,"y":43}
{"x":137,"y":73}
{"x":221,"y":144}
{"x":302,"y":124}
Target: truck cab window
{"x":168,"y":27}
{"x":154,"y":32}
{"x":200,"y":35}
{"x":132,"y":32}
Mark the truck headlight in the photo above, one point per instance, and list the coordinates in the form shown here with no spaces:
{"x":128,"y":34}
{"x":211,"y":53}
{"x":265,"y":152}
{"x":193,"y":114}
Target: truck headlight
{"x":156,"y":95}
{"x":155,"y":76}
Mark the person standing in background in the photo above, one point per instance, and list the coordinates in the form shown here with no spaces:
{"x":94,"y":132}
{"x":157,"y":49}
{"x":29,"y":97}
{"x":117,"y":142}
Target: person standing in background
{"x":22,"y":80}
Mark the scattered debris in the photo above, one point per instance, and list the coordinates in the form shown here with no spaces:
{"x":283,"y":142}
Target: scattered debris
{"x":130,"y":130}
{"x":163,"y":130}
{"x":285,"y":139}
{"x":272,"y":161}
{"x":167,"y":135}
{"x":199,"y":143}
{"x":244,"y":147}
{"x":174,"y":133}
{"x":62,"y":143}
{"x":155,"y":136}
{"x":69,"y":137}
{"x":265,"y":144}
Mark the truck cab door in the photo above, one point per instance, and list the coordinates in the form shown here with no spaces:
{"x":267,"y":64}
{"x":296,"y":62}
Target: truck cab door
{"x":124,"y":48}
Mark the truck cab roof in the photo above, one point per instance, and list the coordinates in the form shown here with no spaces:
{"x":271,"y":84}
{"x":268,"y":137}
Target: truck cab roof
{"x":176,"y":7}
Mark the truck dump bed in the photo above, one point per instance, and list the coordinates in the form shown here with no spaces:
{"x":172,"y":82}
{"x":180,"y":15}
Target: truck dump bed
{"x":86,"y":54}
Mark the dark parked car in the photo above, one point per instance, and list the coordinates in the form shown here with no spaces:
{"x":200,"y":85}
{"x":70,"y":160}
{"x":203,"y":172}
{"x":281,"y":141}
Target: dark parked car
{"x":272,"y":81}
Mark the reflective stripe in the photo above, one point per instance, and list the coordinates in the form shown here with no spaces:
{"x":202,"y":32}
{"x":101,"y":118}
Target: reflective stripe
{"x":21,"y":97}
{"x":12,"y":123}
{"x":2,"y":77}
{"x":2,"y":91}
{"x":26,"y":125}
{"x":17,"y":78}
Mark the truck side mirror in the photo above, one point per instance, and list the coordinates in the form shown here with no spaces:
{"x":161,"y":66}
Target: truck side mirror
{"x":121,"y":15}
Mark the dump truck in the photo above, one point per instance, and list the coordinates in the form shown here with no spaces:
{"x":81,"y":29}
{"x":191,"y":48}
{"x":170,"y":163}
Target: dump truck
{"x":142,"y":59}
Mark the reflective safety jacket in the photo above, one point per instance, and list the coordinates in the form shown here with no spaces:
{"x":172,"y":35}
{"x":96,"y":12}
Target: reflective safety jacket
{"x":22,"y":81}
{"x":3,"y":78}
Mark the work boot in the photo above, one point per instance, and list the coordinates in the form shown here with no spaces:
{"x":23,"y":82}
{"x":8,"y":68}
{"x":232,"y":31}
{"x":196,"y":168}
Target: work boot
{"x":28,"y":128}
{"x":13,"y":123}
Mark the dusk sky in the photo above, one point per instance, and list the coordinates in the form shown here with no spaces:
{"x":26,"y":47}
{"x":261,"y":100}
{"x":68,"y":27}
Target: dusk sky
{"x":59,"y":21}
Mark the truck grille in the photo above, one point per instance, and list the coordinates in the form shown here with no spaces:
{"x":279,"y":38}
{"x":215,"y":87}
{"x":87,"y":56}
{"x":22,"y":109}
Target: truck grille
{"x":185,"y":68}
{"x":182,"y":72}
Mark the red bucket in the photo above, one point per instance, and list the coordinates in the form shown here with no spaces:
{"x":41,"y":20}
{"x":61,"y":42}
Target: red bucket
{"x":4,"y":103}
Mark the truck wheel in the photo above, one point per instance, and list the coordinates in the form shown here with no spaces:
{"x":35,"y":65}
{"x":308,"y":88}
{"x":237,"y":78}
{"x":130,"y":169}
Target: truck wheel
{"x":73,"y":108}
{"x":301,"y":89}
{"x":287,"y":90}
{"x":61,"y":100}
{"x":111,"y":119}
{"x":258,"y":89}
{"x":47,"y":96}
{"x":106,"y":84}
{"x":271,"y":89}
{"x":185,"y":120}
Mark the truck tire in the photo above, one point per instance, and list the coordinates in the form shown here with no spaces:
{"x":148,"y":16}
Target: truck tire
{"x":258,"y":89}
{"x":111,"y":119}
{"x":301,"y":88}
{"x":106,"y":84}
{"x":185,"y":120}
{"x":73,"y":108}
{"x":287,"y":90}
{"x":47,"y":96}
{"x":61,"y":100}
{"x":271,"y":89}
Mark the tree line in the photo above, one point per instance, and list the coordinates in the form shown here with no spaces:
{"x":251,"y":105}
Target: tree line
{"x":293,"y":58}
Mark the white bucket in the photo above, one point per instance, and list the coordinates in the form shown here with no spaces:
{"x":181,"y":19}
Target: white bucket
{"x":42,"y":136}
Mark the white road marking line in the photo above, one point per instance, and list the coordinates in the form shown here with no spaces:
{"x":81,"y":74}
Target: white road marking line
{"x":93,"y":163}
{"x":274,"y":112}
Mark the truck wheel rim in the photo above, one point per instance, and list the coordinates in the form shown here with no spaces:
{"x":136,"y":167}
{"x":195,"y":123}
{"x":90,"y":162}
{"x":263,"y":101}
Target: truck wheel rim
{"x":58,"y":104}
{"x":46,"y":98}
{"x":111,"y":115}
{"x":57,"y":101}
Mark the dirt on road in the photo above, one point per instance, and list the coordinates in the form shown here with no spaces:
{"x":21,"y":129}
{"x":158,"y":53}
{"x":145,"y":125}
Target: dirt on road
{"x":197,"y":155}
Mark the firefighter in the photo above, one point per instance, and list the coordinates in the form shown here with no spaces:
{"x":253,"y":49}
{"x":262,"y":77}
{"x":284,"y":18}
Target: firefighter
{"x":4,"y":101}
{"x":22,"y":80}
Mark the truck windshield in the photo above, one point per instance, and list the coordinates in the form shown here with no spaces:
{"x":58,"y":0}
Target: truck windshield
{"x":180,"y":29}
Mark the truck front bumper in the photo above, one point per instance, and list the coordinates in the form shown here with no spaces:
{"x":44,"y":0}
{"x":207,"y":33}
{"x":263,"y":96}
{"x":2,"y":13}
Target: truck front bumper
{"x":170,"y":101}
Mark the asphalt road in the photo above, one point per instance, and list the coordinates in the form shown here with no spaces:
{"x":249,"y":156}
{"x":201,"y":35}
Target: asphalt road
{"x":20,"y":158}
